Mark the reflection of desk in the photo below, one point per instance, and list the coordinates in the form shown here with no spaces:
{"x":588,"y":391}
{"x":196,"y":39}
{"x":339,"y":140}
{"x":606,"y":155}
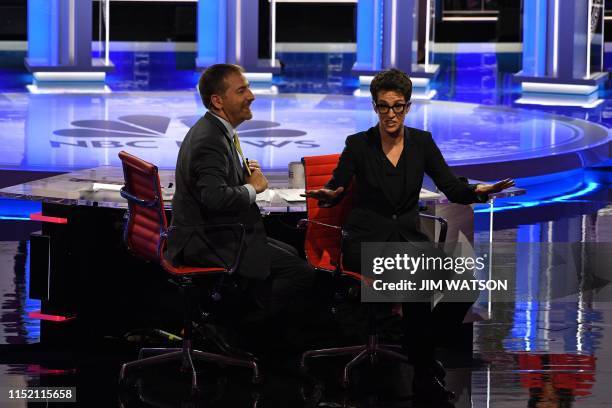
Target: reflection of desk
{"x":79,"y":266}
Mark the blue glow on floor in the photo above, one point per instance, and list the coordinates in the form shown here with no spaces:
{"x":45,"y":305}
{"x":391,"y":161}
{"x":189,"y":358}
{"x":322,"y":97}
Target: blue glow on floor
{"x":32,"y":326}
{"x":10,"y":218}
{"x":591,"y":187}
{"x":588,"y":189}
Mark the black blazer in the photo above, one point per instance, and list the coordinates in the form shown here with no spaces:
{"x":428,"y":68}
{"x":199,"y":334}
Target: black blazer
{"x":210,"y":190}
{"x":374,"y":217}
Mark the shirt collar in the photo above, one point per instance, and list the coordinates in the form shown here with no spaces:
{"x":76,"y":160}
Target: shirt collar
{"x":230,"y":129}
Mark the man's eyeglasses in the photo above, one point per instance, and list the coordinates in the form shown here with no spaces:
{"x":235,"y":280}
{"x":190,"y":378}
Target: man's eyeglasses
{"x":397,"y":108}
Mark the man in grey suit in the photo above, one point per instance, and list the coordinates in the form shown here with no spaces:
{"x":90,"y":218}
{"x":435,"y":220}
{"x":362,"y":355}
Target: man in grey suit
{"x":215,"y":184}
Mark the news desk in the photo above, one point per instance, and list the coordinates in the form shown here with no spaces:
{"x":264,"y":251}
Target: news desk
{"x":89,"y":285}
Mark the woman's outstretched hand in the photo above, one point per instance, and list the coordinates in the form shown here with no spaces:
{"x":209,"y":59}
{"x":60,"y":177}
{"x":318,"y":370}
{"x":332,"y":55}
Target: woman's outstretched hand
{"x":323,"y":194}
{"x":494,"y":188}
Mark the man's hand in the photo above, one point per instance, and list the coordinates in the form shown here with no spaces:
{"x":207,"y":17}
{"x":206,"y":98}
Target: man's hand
{"x":257,"y":180}
{"x":253,"y":165}
{"x":494,"y":188}
{"x":323,"y":194}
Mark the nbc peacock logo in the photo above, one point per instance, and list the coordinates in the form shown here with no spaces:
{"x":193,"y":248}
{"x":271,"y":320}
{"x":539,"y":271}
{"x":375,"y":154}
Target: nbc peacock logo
{"x":153,"y":131}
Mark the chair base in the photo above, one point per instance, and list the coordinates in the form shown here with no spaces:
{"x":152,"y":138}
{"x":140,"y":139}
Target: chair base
{"x":370,"y":351}
{"x":187,"y":356}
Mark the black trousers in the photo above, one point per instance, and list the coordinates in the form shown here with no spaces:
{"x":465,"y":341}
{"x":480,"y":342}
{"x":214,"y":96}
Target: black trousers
{"x":420,"y":323}
{"x":281,"y":300}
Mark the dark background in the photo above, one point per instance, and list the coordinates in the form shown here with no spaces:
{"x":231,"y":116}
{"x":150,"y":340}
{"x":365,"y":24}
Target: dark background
{"x":172,"y":21}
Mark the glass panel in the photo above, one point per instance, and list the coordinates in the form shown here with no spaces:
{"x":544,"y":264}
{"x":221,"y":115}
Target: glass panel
{"x":430,"y":34}
{"x":470,"y":8}
{"x":491,"y":4}
{"x":596,"y":28}
{"x":103,"y":30}
{"x":463,"y":5}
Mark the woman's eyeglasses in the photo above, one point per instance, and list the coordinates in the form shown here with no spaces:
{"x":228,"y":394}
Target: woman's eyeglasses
{"x":397,"y":108}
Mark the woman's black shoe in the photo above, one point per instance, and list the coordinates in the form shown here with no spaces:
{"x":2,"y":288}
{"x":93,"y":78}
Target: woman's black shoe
{"x":438,"y":371}
{"x":426,"y":387}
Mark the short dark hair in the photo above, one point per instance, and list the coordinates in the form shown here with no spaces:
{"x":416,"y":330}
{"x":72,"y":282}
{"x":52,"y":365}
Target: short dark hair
{"x":391,"y":80}
{"x":212,"y":81}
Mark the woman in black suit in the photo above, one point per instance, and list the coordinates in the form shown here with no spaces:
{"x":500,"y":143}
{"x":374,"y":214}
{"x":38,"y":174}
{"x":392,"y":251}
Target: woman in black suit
{"x":388,"y":162}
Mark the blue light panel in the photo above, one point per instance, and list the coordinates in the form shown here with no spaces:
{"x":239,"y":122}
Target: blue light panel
{"x":369,"y":34}
{"x":534,"y":37}
{"x":43,"y":28}
{"x":212,"y":26}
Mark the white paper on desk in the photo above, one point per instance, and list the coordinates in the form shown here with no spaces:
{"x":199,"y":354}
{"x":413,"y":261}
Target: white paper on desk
{"x":291,"y":194}
{"x":167,"y":194}
{"x":266,"y":195}
{"x":106,"y":187}
{"x":426,"y":194}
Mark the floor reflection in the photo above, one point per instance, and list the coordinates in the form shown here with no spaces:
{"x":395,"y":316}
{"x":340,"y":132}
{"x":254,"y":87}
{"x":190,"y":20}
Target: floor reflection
{"x":529,"y":354}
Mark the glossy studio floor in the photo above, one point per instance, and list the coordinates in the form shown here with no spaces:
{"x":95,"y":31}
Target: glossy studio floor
{"x":552,"y":353}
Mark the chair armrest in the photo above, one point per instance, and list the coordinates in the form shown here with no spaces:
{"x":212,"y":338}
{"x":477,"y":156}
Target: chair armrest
{"x":443,"y":225}
{"x":132,"y":198}
{"x":303,"y":223}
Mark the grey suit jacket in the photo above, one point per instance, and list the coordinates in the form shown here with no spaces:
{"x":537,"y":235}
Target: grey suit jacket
{"x":210,"y":190}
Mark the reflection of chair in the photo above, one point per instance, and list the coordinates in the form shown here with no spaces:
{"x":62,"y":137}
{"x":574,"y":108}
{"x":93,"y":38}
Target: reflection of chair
{"x":220,"y":392}
{"x":557,"y":376}
{"x":323,"y":247}
{"x":145,"y":234}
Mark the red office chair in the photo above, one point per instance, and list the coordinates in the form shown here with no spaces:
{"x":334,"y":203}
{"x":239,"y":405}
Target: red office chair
{"x":145,"y":235}
{"x":323,"y":247}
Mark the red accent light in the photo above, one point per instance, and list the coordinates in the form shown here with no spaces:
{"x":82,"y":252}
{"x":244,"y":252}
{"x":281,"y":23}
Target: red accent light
{"x":37,"y":369}
{"x":45,"y":218}
{"x":51,"y":318}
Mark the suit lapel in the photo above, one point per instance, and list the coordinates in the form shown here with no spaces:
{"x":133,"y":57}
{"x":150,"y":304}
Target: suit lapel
{"x":235,"y":160}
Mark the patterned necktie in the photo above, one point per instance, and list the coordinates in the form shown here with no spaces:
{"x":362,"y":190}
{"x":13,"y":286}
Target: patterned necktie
{"x":239,"y":149}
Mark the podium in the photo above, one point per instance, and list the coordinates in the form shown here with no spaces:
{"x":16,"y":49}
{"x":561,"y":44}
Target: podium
{"x":59,"y":46}
{"x":228,"y":32}
{"x":387,"y":37}
{"x":562,"y":51}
